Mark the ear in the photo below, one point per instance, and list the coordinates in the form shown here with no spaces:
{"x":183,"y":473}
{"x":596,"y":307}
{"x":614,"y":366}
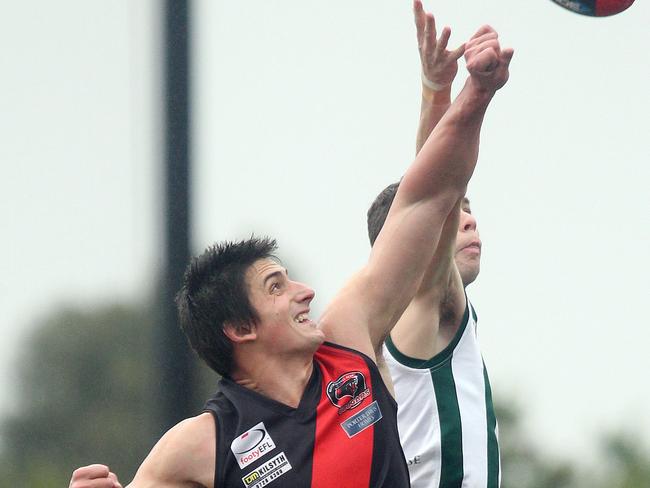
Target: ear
{"x":240,"y":334}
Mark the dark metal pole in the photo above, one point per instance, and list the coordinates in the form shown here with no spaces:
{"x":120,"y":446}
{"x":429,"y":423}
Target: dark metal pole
{"x":176,"y":360}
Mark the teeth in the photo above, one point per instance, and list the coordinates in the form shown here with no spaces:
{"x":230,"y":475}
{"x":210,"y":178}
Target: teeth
{"x":301,"y":318}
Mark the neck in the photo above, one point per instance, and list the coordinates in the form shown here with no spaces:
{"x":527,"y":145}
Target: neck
{"x":279,"y":378}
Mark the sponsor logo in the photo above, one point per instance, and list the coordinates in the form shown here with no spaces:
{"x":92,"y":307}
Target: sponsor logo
{"x":252,"y":445}
{"x":362,"y":420}
{"x":267,"y":472}
{"x":348,"y":391}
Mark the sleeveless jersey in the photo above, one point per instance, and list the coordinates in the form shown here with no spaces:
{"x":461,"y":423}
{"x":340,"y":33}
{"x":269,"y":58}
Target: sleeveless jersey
{"x":343,"y":433}
{"x":446,"y":418}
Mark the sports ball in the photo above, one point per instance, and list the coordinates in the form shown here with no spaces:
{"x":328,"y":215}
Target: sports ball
{"x":595,"y":8}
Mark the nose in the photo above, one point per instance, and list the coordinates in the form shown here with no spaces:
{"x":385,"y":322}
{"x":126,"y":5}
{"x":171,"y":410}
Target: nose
{"x":467,"y":222}
{"x":303,"y":292}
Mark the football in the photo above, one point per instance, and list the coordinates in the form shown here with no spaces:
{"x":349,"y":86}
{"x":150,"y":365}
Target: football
{"x":595,"y":8}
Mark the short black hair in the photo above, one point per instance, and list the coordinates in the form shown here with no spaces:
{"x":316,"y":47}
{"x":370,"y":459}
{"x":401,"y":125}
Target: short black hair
{"x":214,"y":292}
{"x":379,"y":210}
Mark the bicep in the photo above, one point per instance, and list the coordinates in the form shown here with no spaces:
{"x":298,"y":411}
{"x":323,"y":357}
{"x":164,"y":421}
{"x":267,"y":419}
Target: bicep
{"x":363,"y":312}
{"x":415,"y":254}
{"x":402,"y":253}
{"x":184,"y":457}
{"x":439,"y":271}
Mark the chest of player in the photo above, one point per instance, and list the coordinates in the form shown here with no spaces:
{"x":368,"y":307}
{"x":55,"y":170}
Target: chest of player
{"x":343,"y":434}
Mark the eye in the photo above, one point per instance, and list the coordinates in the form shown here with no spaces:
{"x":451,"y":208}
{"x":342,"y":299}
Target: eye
{"x":275,"y":287}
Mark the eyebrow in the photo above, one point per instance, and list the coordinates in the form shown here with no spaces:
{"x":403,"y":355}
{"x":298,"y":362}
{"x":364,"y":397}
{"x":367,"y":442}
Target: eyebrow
{"x":275,"y":274}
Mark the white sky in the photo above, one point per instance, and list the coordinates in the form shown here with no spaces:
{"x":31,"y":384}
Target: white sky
{"x":303,"y":112}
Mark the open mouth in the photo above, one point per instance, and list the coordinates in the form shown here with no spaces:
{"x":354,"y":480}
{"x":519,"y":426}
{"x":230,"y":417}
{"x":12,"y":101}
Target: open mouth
{"x":303,"y":319}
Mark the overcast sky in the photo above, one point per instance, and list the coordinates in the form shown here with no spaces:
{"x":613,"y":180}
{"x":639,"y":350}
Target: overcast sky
{"x":303,"y":112}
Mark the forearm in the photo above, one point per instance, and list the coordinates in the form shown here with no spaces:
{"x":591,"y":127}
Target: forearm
{"x":433,"y":106}
{"x":447,"y":158}
{"x":428,"y":193}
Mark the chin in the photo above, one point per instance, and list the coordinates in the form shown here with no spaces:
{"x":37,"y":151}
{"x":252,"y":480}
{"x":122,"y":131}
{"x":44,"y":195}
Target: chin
{"x":314,"y":340}
{"x":319,"y":338}
{"x":469,"y":274}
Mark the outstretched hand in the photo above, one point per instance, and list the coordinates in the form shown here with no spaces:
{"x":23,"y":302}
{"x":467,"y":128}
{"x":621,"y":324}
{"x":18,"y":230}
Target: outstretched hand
{"x":439,"y":66}
{"x":486,"y":62}
{"x":94,"y":476}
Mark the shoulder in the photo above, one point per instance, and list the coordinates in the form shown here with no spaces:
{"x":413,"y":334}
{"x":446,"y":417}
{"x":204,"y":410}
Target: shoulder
{"x":184,"y":456}
{"x":347,"y":318}
{"x":193,"y":434}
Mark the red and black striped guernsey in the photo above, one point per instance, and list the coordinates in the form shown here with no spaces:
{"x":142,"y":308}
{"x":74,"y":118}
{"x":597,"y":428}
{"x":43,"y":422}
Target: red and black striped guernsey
{"x":343,"y":433}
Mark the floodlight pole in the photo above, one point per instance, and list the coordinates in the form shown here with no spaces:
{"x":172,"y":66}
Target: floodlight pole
{"x":175,"y":359}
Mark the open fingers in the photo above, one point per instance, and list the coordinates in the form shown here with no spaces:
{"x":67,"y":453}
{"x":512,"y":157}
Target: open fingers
{"x":444,"y":39}
{"x":420,"y":20}
{"x":458,"y":52}
{"x":430,"y":30}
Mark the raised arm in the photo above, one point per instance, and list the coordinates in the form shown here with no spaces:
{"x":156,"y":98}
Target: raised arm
{"x":440,"y":299}
{"x":437,"y":275}
{"x":439,"y":68}
{"x":365,"y":310}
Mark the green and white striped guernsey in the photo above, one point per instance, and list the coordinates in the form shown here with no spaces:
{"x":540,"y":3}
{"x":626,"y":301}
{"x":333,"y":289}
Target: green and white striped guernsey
{"x":445,"y":417}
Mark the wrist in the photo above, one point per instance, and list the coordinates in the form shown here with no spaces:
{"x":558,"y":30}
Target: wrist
{"x":435,"y":93}
{"x":475,"y":97}
{"x":479,"y":89}
{"x":432,"y":85}
{"x":431,"y":97}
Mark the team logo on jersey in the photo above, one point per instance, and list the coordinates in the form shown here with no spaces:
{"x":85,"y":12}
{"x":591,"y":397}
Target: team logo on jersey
{"x":348,"y":391}
{"x":252,"y":445}
{"x":267,"y":472}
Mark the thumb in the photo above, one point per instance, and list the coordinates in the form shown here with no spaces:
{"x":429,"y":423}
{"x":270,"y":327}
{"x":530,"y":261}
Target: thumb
{"x":458,"y":52}
{"x":113,"y":477}
{"x":506,"y":55}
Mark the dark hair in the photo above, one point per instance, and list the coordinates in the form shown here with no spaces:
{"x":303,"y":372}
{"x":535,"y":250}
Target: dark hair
{"x":214,"y":292}
{"x":379,"y":210}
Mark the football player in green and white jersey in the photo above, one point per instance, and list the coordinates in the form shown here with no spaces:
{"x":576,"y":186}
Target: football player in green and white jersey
{"x":446,"y":418}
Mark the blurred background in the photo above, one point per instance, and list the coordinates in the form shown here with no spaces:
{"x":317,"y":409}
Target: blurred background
{"x":301,"y":112}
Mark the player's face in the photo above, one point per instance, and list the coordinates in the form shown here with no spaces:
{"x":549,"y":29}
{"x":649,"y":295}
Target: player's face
{"x":283,"y":308}
{"x":468,"y":245}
